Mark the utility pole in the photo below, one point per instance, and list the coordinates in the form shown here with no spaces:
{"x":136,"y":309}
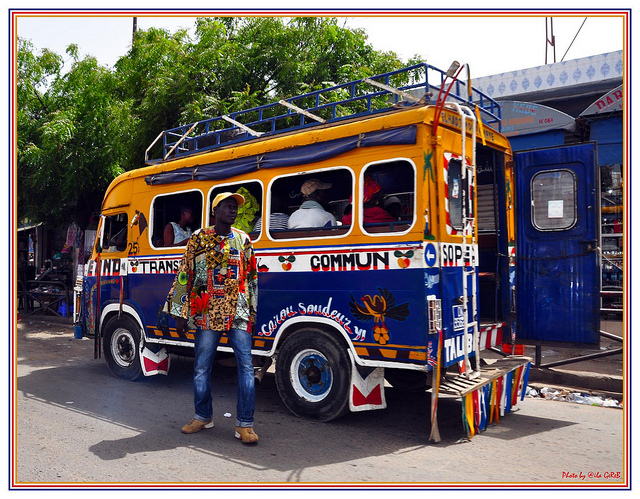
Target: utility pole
{"x":135,"y":28}
{"x":549,"y":40}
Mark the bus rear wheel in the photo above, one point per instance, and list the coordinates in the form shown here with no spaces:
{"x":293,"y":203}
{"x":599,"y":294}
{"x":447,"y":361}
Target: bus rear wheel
{"x":313,"y":373}
{"x":121,"y":344}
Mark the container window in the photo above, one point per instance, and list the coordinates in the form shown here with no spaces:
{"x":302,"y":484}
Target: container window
{"x":553,"y":200}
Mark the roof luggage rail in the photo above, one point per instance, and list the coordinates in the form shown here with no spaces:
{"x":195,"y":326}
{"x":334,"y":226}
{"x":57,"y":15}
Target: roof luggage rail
{"x":365,"y":97}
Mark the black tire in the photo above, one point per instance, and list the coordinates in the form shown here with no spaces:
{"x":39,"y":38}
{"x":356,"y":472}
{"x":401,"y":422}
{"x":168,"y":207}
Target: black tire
{"x":121,"y":347}
{"x":406,"y":380}
{"x":313,"y":374}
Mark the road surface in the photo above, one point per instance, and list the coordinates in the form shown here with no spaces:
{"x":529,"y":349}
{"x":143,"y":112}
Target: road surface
{"x":77,"y":424}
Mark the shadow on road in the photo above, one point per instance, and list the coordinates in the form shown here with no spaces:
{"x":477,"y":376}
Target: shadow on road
{"x":157,"y":407}
{"x":57,"y":370}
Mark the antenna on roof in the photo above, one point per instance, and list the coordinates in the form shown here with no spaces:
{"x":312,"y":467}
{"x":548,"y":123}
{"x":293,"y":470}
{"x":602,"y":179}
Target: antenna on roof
{"x":549,"y":41}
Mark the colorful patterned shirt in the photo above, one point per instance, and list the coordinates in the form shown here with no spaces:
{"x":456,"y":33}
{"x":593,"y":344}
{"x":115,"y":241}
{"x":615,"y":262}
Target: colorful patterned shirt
{"x":216,"y":286}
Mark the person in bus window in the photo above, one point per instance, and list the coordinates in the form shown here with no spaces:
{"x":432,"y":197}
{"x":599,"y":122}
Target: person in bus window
{"x":278,"y":219}
{"x":311,"y":212}
{"x":393,"y":205}
{"x":215,"y":291}
{"x":371,"y":199}
{"x":177,"y":233}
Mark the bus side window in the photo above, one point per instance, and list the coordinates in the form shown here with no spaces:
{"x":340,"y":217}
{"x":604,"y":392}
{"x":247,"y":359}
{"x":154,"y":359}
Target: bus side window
{"x":175,"y":217}
{"x":114,"y":237}
{"x":388,"y":194}
{"x":310,"y":205}
{"x":249,"y":213}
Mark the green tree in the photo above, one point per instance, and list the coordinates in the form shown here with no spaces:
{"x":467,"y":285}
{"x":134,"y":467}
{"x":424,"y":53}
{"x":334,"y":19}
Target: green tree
{"x":235,"y":63}
{"x":71,"y":135}
{"x":78,"y":130}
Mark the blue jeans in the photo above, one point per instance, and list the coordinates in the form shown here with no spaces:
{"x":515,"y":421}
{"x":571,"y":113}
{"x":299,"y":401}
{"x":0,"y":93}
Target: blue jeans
{"x":205,"y":350}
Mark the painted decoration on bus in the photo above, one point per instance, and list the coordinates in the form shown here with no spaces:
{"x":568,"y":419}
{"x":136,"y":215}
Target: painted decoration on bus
{"x":457,"y":255}
{"x":341,"y":259}
{"x":327,"y":310}
{"x":338,"y":259}
{"x":453,"y":348}
{"x":108,"y":267}
{"x":135,"y":265}
{"x":377,"y":307}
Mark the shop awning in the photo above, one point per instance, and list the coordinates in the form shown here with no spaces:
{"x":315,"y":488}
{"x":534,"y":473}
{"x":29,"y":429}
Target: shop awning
{"x":520,"y":118}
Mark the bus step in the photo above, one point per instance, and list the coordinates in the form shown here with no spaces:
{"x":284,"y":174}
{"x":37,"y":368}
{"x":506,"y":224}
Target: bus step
{"x":458,"y":385}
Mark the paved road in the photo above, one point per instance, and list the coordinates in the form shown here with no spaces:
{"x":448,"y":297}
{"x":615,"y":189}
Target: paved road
{"x":77,"y":423}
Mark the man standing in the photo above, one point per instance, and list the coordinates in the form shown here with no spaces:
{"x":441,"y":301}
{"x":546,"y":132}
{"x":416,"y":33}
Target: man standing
{"x":216,"y":291}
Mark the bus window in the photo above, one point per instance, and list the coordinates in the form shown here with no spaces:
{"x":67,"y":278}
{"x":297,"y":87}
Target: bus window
{"x":454,"y":182}
{"x":314,"y":203}
{"x":388,"y":196}
{"x":114,"y":235}
{"x":553,"y":199}
{"x":166,"y":213}
{"x":249,"y":212}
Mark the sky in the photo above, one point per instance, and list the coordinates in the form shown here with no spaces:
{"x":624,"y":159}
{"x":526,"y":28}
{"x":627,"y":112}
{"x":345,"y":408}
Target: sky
{"x":489,"y":44}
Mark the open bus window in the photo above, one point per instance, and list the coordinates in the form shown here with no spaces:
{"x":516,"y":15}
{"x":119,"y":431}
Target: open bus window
{"x":553,"y":200}
{"x":114,"y":234}
{"x":314,"y":204}
{"x":170,"y":225}
{"x":387,"y":194}
{"x":249,"y":212}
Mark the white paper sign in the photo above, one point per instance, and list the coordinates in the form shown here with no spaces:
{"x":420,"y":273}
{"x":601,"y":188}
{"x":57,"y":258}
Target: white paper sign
{"x":555,"y":209}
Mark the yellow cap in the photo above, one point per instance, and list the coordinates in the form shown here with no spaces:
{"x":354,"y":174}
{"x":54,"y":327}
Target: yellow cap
{"x":224,"y":195}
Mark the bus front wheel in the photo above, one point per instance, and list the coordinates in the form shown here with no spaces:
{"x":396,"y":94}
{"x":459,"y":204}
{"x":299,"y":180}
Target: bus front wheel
{"x":313,"y":372}
{"x":121,"y":342}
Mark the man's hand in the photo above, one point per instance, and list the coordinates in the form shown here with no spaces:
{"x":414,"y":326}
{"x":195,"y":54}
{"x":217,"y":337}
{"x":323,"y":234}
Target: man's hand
{"x":181,"y":325}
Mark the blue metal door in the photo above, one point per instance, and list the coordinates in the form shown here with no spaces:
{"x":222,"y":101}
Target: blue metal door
{"x":557,"y":268}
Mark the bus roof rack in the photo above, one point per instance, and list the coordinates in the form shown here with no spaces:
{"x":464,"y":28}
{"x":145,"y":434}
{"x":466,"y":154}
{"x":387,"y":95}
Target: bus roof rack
{"x":419,"y":83}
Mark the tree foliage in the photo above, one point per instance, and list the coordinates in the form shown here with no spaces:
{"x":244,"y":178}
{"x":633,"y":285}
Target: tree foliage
{"x":78,"y":130}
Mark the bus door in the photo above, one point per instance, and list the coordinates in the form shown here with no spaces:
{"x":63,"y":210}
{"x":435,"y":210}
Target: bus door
{"x":557,"y":269}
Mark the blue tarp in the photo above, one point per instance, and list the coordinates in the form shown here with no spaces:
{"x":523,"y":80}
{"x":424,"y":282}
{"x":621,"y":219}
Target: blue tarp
{"x":287,"y":157}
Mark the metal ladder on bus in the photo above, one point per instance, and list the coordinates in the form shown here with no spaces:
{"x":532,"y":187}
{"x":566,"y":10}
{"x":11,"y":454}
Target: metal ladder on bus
{"x":468,"y":177}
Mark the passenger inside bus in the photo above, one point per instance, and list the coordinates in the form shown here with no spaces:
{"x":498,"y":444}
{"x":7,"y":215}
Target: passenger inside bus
{"x":312,"y":212}
{"x":393,"y":205}
{"x":278,"y":218}
{"x":184,"y":209}
{"x":247,"y":212}
{"x":372,"y":211}
{"x":177,"y":233}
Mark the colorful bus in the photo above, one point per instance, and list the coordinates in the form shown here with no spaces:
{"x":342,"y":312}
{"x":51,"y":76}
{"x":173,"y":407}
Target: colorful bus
{"x":413,"y":298}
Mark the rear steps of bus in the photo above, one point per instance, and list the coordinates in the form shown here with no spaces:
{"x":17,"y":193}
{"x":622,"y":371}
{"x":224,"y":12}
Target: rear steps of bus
{"x":458,"y":385}
{"x":417,"y":84}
